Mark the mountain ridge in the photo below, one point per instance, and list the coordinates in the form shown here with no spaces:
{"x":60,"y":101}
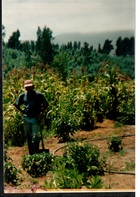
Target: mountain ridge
{"x":92,"y":38}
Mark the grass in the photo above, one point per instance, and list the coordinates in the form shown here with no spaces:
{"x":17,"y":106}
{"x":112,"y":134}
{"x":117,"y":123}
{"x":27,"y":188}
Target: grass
{"x":129,"y":166}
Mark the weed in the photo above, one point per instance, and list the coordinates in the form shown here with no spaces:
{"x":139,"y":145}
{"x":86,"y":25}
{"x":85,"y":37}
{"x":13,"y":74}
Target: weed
{"x":33,"y":180}
{"x":94,"y":182}
{"x":117,"y":124}
{"x":49,"y":184}
{"x":115,"y":144}
{"x":129,"y":166}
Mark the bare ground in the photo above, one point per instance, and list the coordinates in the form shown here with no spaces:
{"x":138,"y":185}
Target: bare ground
{"x":121,"y":162}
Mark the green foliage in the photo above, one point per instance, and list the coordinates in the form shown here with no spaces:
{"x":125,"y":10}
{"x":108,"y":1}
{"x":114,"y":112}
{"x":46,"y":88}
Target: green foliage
{"x":14,"y":129}
{"x":66,"y":175}
{"x":44,"y":45}
{"x":49,"y":184}
{"x":94,"y":182}
{"x":14,"y":41}
{"x":129,"y":166}
{"x":126,"y":108}
{"x":33,"y":180}
{"x":68,"y":178}
{"x":85,"y":158}
{"x":37,"y":165}
{"x":125,"y":46}
{"x":107,"y":47}
{"x":115,"y":144}
{"x":60,"y":63}
{"x":12,"y":174}
{"x":13,"y":58}
{"x":76,"y":168}
{"x":6,"y":158}
{"x":73,"y":105}
{"x":67,"y":117}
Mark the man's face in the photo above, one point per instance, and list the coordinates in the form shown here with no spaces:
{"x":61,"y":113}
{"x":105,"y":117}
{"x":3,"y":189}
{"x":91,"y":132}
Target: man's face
{"x":28,"y":89}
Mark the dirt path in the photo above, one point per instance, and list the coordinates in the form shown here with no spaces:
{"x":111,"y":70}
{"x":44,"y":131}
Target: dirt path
{"x":123,"y":161}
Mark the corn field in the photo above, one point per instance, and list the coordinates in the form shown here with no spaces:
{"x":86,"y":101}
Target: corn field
{"x":74,"y":104}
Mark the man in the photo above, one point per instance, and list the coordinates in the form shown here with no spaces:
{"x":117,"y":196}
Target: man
{"x":35,"y":105}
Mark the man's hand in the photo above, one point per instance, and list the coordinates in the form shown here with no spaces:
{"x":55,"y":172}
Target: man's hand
{"x":18,"y":107}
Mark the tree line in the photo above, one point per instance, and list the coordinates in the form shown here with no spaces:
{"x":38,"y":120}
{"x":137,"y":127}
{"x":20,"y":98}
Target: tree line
{"x":46,"y":49}
{"x":68,"y":57}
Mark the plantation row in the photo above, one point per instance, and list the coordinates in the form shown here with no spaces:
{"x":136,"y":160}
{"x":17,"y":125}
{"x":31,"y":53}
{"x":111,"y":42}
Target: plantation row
{"x":67,"y":171}
{"x":74,"y":104}
{"x":66,"y":61}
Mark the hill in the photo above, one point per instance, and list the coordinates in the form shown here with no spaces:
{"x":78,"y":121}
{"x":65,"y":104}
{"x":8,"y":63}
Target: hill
{"x":92,"y":38}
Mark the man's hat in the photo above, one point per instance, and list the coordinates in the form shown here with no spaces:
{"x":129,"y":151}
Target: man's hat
{"x":28,"y":83}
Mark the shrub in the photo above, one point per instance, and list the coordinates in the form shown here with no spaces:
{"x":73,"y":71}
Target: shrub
{"x":37,"y":165}
{"x":6,"y":157}
{"x":115,"y":144}
{"x":85,"y":157}
{"x":126,"y":107}
{"x":12,"y":174}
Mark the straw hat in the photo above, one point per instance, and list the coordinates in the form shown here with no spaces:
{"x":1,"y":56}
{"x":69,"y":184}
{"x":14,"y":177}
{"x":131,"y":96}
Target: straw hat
{"x":28,"y":83}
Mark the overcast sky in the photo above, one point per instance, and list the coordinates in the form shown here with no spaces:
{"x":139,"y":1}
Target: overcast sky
{"x":67,"y":16}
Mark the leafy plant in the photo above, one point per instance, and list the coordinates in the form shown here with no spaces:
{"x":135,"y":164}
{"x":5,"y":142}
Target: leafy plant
{"x":6,"y":157}
{"x":37,"y":165}
{"x":66,"y":175}
{"x":94,"y":182}
{"x":33,"y":180}
{"x":85,"y":157}
{"x":14,"y":129}
{"x":115,"y":144}
{"x":49,"y":184}
{"x":12,"y":174}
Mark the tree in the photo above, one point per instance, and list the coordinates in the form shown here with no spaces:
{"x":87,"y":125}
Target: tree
{"x":125,"y":46}
{"x":38,"y":42}
{"x":119,"y":49}
{"x":44,"y":46}
{"x":13,"y":41}
{"x":86,"y":51}
{"x":107,"y":47}
{"x":60,"y":62}
{"x":99,"y":48}
{"x":33,"y":46}
{"x":132,"y":46}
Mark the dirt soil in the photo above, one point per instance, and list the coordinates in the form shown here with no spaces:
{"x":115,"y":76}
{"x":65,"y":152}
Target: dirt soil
{"x":122,"y":162}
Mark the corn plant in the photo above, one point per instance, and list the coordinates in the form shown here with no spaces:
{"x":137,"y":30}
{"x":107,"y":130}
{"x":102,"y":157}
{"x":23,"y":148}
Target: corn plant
{"x":74,"y":104}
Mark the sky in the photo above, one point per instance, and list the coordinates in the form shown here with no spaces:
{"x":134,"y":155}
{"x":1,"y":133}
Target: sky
{"x":64,"y":16}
